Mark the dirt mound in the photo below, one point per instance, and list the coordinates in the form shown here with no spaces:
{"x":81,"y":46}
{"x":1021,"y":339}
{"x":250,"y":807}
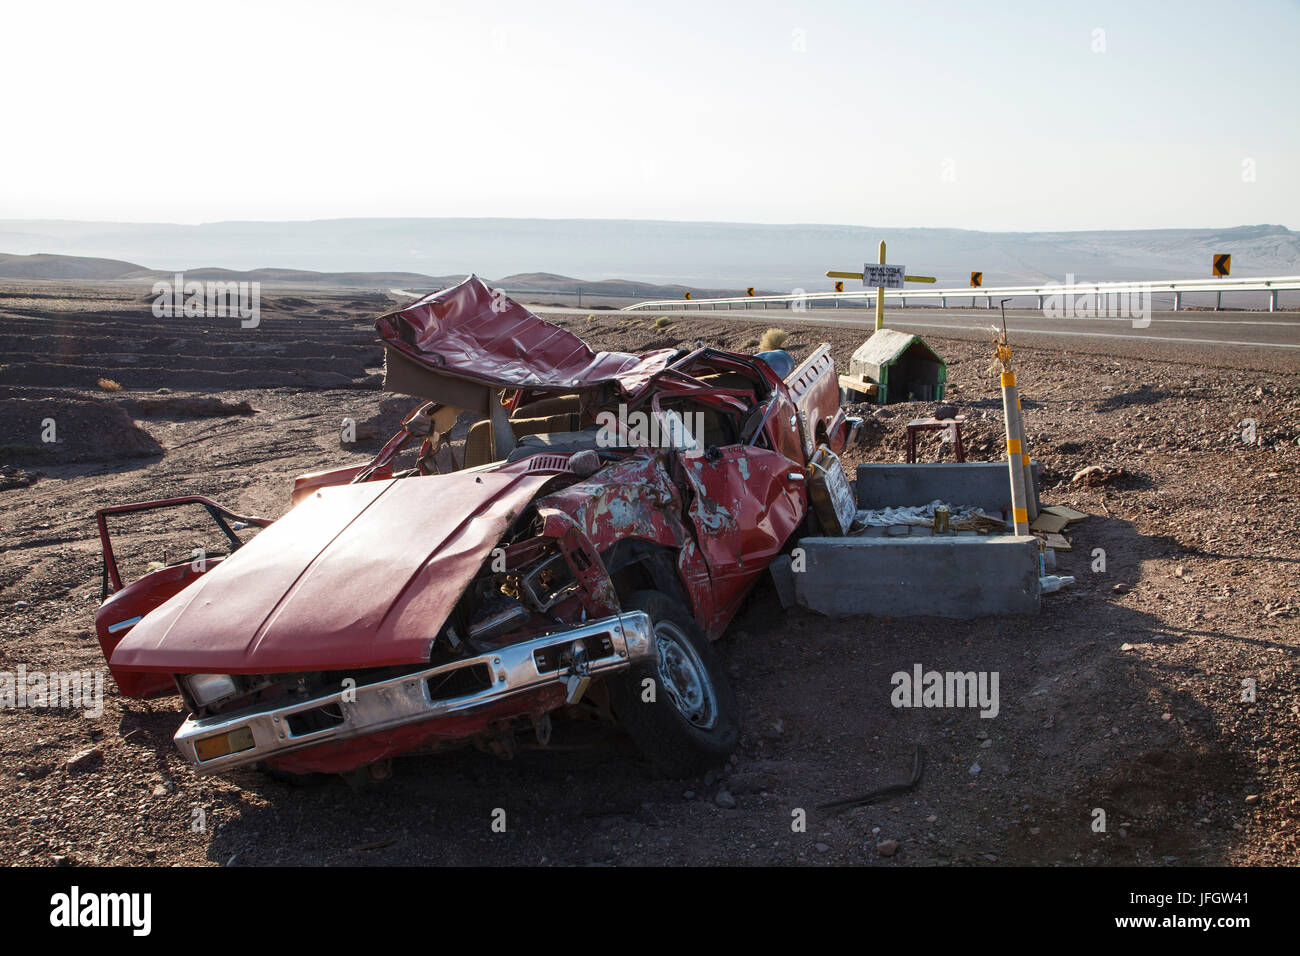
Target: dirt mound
{"x":69,"y":430}
{"x":11,"y":477}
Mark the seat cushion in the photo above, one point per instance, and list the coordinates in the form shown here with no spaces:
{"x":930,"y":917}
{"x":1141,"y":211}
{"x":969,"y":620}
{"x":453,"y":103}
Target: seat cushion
{"x":561,"y":442}
{"x":563,"y":422}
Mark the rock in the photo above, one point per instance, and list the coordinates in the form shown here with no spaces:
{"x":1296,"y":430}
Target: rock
{"x":1120,"y":588}
{"x":1252,"y":799}
{"x":822,"y":847}
{"x":974,"y":769}
{"x":84,"y":761}
{"x":987,"y":743}
{"x":585,"y":463}
{"x":887,"y":848}
{"x":1095,"y":475}
{"x":689,"y":795}
{"x":931,"y":819}
{"x":725,"y":800}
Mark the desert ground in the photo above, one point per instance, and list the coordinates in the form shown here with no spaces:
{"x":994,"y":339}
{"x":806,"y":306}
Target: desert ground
{"x":1125,"y":694}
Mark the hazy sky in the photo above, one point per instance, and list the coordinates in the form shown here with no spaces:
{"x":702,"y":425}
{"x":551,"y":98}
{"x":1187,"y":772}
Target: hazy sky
{"x":972,"y":115}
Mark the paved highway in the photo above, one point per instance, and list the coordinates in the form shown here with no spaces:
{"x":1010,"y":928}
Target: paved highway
{"x":1275,"y":330}
{"x":1255,"y":340}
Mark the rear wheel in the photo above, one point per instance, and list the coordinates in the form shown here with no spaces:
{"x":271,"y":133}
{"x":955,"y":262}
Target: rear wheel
{"x":677,"y":707}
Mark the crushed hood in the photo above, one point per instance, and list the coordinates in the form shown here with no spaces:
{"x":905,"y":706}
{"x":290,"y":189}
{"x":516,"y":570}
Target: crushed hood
{"x":355,"y":576}
{"x":473,"y":333}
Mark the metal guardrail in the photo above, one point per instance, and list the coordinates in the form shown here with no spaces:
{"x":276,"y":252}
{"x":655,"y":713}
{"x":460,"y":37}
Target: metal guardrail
{"x":1271,"y":284}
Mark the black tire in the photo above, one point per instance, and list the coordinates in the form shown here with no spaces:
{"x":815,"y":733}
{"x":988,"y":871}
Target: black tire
{"x":692,"y":723}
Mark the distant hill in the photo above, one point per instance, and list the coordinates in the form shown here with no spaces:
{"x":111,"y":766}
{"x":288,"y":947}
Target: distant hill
{"x":45,"y":266}
{"x":304,"y":277}
{"x":645,"y":255}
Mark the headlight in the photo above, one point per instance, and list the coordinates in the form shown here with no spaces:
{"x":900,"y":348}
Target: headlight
{"x":206,"y":688}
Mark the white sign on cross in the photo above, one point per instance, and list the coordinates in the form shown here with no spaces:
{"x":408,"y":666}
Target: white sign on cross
{"x":883,"y":276}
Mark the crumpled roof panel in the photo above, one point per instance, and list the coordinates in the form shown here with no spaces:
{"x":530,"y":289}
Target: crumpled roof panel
{"x":472,"y":332}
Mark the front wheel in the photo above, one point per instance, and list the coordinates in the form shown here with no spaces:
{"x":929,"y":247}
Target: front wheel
{"x":677,"y":707}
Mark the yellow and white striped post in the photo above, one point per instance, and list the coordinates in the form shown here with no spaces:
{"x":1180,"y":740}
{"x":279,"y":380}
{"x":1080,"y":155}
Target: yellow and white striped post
{"x":1026,"y":469}
{"x":1016,"y":456}
{"x":1015,"y":460}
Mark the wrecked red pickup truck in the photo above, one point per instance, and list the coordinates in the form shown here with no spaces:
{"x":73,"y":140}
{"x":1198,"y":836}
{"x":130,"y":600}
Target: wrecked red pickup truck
{"x":598,"y":527}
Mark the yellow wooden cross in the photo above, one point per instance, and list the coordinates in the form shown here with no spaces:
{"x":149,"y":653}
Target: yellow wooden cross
{"x":880,"y":290}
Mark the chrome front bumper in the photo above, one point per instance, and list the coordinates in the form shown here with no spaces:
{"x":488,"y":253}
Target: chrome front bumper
{"x":409,"y":699}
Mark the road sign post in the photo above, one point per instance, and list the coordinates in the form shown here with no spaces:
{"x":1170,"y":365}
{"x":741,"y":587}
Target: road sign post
{"x":1221,"y":268}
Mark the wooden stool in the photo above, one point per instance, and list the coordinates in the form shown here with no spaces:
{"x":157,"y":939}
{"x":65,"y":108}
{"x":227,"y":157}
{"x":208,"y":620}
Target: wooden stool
{"x":932,"y":425}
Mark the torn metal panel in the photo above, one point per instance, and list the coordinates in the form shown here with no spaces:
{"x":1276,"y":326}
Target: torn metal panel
{"x":636,"y":499}
{"x":814,"y":388}
{"x":747,"y":503}
{"x":474,"y":333}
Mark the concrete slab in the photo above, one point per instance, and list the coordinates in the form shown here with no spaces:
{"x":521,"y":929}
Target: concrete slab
{"x":984,"y":484}
{"x":955,"y":577}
